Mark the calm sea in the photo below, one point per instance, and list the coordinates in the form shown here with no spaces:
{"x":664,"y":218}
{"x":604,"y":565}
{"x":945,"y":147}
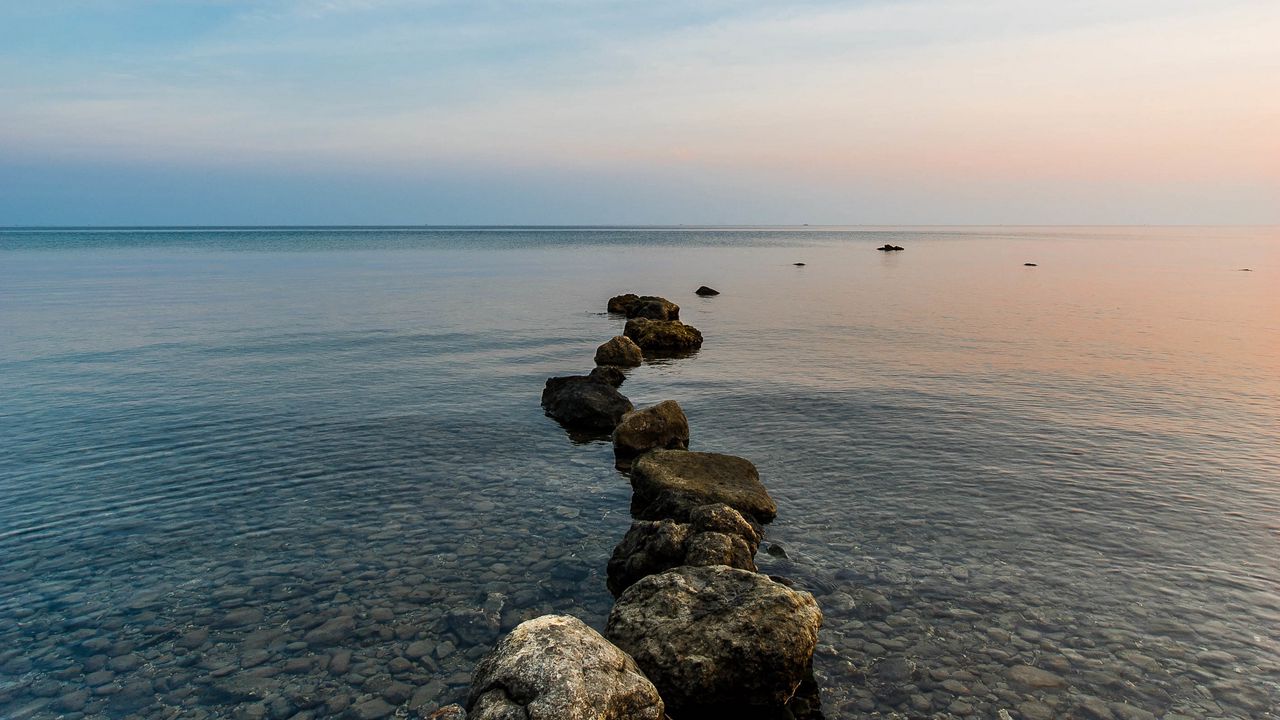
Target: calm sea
{"x":304,"y":472}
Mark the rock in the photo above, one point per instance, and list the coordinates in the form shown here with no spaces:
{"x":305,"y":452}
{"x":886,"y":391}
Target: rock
{"x":449,"y":712}
{"x":1034,"y":677}
{"x":332,"y":631}
{"x":644,"y":306}
{"x":705,"y":291}
{"x":890,"y":248}
{"x":554,"y":667}
{"x":717,"y":637}
{"x":584,"y":402}
{"x":1030,"y":265}
{"x":620,"y":351}
{"x":241,"y":617}
{"x":662,"y":426}
{"x":668,"y":484}
{"x":618,"y":304}
{"x":372,"y":709}
{"x":798,"y":264}
{"x":776,"y":550}
{"x":611,"y":376}
{"x":659,"y":337}
{"x":715,"y":535}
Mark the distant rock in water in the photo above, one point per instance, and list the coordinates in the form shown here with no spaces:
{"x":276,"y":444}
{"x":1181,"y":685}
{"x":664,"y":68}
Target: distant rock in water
{"x":554,"y":667}
{"x":663,"y":337}
{"x":705,"y":291}
{"x":662,"y":426}
{"x":1030,"y":265}
{"x":890,"y":248}
{"x":586,"y":402}
{"x":798,"y":264}
{"x":651,"y":307}
{"x":1246,"y":270}
{"x":753,"y":639}
{"x":620,"y":351}
{"x":715,"y":535}
{"x":669,"y":484}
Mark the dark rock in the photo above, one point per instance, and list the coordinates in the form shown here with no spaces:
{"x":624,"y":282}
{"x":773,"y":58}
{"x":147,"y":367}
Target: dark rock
{"x":644,"y":306}
{"x":715,"y":535}
{"x":556,"y":668}
{"x":587,"y":402}
{"x":705,"y":291}
{"x":663,"y":337}
{"x":618,"y":304}
{"x":717,"y":638}
{"x":662,"y":426}
{"x":1030,"y":265}
{"x":669,"y":484}
{"x":776,"y":550}
{"x":798,"y":264}
{"x":620,"y":351}
{"x":608,"y":375}
{"x":890,"y":248}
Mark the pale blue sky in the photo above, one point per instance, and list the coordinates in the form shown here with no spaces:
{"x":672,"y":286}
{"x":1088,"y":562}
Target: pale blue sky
{"x":579,"y":111}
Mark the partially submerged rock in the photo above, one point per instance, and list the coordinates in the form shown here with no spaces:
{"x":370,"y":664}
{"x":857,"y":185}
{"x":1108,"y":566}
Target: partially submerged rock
{"x":621,"y":351}
{"x":714,"y":535}
{"x":586,"y":402}
{"x":661,"y":426}
{"x":657,"y":337}
{"x":890,"y":248}
{"x":554,"y":667}
{"x":717,"y":638}
{"x":705,"y":291}
{"x":669,"y":484}
{"x":652,"y":307}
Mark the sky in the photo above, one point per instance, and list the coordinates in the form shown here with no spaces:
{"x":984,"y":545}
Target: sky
{"x":223,"y":112}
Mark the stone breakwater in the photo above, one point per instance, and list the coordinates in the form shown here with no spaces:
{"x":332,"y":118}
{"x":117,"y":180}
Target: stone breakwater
{"x":695,"y":630}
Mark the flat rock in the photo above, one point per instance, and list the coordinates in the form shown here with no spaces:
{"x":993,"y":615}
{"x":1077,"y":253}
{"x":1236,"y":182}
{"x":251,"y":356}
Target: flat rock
{"x":662,"y":426}
{"x":651,"y":307}
{"x":663,"y":337}
{"x":669,"y":484}
{"x":620,"y":351}
{"x":554,"y":667}
{"x":715,"y":535}
{"x":705,"y":291}
{"x":717,"y":638}
{"x":332,"y":631}
{"x":1034,"y":677}
{"x":583,"y":402}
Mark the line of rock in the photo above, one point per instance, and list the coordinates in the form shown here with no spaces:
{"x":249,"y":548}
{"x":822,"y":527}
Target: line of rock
{"x":696,"y":631}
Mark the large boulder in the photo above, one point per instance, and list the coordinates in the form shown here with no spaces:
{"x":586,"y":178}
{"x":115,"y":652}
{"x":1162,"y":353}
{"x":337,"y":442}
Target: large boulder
{"x":554,"y":667}
{"x":714,"y":535}
{"x":586,"y":402}
{"x":644,"y":306}
{"x":661,"y":426}
{"x":621,"y":351}
{"x":663,"y":337}
{"x":669,"y":484}
{"x":717,"y":638}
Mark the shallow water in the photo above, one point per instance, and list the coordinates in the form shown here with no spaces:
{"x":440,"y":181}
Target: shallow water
{"x":217,"y":443}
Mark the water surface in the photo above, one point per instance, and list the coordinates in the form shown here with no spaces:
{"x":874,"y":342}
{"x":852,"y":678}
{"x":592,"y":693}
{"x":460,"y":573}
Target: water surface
{"x":272,"y":472}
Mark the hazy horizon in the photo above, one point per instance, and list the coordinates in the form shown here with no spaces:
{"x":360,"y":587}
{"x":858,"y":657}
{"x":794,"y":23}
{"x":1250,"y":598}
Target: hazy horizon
{"x":387,"y":112}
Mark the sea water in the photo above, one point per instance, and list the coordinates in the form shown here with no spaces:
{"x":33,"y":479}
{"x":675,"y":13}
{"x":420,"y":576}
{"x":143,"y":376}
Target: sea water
{"x":302,"y":472}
